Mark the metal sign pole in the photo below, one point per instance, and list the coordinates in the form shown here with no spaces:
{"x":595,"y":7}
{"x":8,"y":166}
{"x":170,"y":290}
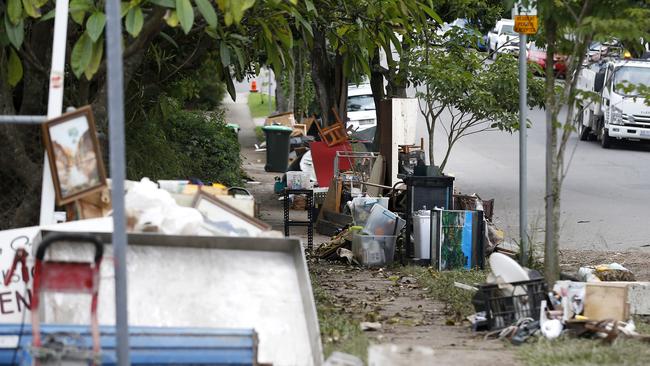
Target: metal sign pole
{"x":117,"y":161}
{"x":523,"y":179}
{"x":54,"y":103}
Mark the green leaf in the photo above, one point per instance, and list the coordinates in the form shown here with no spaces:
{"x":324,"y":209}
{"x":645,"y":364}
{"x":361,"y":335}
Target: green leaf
{"x":14,"y":11}
{"x":49,"y":15}
{"x":31,"y":9}
{"x":78,"y":17}
{"x":309,"y":5}
{"x":224,"y":52}
{"x":82,"y":54}
{"x":229,"y":85}
{"x":15,"y":33}
{"x":78,"y":9}
{"x":207,"y":11}
{"x":164,"y":3}
{"x":96,"y":59}
{"x":81,"y":5}
{"x":14,"y":68}
{"x":124,"y":8}
{"x":169,"y":39}
{"x":95,"y":25}
{"x":240,"y":56}
{"x":4,"y":40}
{"x":185,"y":14}
{"x":134,"y":21}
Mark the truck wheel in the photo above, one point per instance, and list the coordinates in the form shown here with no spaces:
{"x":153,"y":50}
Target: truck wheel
{"x":605,"y":141}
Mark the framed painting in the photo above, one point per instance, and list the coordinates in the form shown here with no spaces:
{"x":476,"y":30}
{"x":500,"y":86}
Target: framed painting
{"x":74,"y":155}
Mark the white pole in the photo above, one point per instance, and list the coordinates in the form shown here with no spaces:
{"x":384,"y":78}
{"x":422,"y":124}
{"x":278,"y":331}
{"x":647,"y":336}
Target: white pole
{"x":55,"y":103}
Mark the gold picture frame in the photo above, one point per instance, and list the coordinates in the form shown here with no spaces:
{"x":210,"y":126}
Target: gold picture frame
{"x":74,"y":155}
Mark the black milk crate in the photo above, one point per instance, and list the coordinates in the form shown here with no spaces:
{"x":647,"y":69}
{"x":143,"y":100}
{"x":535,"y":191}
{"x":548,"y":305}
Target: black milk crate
{"x":507,"y":303}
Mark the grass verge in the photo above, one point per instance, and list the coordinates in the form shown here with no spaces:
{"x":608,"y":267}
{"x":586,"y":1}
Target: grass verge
{"x":440,"y":285}
{"x":338,"y":331}
{"x":572,"y":351}
{"x":258,"y":103}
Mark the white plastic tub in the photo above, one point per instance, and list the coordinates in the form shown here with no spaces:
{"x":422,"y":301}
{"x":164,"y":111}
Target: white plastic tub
{"x":382,"y":221}
{"x":361,"y":207}
{"x":374,"y":250}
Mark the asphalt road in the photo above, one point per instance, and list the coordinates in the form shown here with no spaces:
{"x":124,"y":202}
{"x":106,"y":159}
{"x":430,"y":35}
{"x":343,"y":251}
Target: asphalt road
{"x":605,"y":198}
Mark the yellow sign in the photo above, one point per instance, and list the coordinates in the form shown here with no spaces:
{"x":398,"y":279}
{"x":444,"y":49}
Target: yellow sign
{"x":526,"y":24}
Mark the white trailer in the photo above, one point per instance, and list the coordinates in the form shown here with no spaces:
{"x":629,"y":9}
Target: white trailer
{"x":616,"y":114}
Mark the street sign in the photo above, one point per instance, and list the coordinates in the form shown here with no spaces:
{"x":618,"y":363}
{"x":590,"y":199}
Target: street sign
{"x":526,"y":24}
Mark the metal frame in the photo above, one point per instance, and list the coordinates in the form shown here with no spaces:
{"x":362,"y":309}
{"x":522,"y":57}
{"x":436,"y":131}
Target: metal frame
{"x":310,"y":214}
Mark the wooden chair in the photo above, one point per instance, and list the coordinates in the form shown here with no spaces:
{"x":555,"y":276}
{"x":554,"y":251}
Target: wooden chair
{"x":334,"y":134}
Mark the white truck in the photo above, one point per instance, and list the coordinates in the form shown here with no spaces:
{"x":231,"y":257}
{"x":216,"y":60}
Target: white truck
{"x":503,"y":39}
{"x":616,"y":114}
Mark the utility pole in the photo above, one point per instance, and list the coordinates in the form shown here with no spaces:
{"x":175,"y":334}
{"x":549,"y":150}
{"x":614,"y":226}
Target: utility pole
{"x":523,"y":168}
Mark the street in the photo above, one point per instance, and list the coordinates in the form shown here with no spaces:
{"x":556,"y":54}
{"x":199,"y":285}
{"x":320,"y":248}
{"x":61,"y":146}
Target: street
{"x":604,"y":199}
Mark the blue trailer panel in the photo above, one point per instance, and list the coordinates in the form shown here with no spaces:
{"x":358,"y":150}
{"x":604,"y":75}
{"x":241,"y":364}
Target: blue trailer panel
{"x":149,"y":345}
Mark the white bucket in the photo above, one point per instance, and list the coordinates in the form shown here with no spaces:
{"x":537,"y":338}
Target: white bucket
{"x":422,"y":234}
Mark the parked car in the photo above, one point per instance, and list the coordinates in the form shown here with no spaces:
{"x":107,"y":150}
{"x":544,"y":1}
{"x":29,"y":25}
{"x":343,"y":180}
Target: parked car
{"x":468,"y":29}
{"x":503,"y":39}
{"x":537,"y":55}
{"x":361,"y":108}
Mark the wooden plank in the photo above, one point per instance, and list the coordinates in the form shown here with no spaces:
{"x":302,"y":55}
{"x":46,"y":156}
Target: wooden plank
{"x":606,"y":300}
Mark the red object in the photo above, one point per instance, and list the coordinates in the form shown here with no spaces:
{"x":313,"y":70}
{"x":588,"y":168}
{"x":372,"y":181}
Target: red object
{"x":323,"y":159}
{"x":68,"y":277}
{"x":20,"y":257}
{"x":254,"y":87}
{"x":537,"y":56}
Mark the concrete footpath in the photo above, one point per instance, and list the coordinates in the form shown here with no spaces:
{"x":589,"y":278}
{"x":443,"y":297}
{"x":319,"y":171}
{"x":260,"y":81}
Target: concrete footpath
{"x":262,"y":182}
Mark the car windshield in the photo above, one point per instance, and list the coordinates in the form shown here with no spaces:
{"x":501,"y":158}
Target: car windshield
{"x":596,"y":46}
{"x":361,"y":103}
{"x":507,"y":29}
{"x":631,"y":75}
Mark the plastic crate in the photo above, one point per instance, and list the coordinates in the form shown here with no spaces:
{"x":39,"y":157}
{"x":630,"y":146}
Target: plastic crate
{"x":504,"y":305}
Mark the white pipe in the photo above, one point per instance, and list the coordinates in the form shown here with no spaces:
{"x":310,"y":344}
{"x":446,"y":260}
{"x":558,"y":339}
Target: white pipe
{"x":55,"y":103}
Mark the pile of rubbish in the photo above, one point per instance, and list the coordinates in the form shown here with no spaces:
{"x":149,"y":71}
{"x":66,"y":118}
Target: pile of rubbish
{"x":371,"y":239}
{"x":515,"y":303}
{"x":182,"y":208}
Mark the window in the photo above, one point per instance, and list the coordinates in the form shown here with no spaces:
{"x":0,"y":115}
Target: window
{"x":508,"y":29}
{"x":361,"y":103}
{"x":631,"y":75}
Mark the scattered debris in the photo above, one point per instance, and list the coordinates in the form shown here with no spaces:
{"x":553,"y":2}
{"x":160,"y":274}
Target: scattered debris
{"x":342,"y":359}
{"x":370,"y":326}
{"x":605,"y":272}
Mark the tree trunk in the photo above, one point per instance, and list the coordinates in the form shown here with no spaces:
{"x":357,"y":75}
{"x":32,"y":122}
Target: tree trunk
{"x":329,"y":80}
{"x":431,"y":132}
{"x":553,"y":183}
{"x":378,"y":94}
{"x":282,"y":97}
